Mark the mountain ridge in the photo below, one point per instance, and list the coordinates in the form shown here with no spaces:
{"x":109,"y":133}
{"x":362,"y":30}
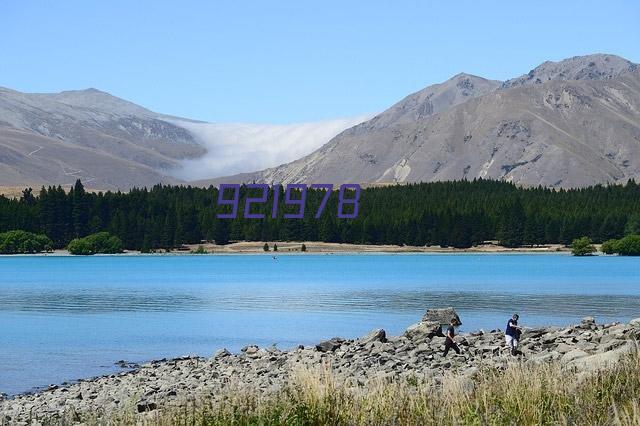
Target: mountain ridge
{"x":569,"y":123}
{"x":111,"y":143}
{"x":575,"y":129}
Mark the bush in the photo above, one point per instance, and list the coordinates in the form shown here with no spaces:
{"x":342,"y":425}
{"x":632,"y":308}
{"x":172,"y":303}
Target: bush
{"x":628,"y":246}
{"x":265,"y":247}
{"x":275,"y":247}
{"x":303,"y":248}
{"x":609,"y":246}
{"x":199,"y":250}
{"x":582,"y":247}
{"x":100,"y":243}
{"x":19,"y":242}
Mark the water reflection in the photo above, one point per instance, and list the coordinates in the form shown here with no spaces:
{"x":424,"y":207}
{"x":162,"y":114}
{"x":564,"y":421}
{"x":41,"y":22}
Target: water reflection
{"x":392,"y":301}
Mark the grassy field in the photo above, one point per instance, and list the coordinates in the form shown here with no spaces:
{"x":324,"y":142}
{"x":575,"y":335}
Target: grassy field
{"x":523,"y":394}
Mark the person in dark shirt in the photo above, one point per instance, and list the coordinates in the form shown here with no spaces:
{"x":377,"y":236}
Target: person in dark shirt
{"x":449,"y":342}
{"x":512,"y":334}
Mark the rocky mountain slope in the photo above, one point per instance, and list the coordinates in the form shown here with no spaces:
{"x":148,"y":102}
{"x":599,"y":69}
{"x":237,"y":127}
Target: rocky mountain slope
{"x":571,"y":123}
{"x":111,"y":143}
{"x":107,"y":142}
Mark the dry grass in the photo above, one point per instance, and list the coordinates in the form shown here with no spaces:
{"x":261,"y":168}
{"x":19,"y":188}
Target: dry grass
{"x":523,"y":394}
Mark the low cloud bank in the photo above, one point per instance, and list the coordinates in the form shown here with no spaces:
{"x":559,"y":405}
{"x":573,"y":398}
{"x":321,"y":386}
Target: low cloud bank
{"x":239,"y":148}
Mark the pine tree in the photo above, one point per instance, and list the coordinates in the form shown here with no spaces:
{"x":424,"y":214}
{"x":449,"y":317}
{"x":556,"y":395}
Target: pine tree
{"x":80,"y":209}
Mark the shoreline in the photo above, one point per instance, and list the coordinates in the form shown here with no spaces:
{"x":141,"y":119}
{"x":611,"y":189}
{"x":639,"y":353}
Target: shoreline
{"x":294,"y":248}
{"x":416,"y":354}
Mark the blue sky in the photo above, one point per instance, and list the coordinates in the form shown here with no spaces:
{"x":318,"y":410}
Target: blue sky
{"x":293,"y":61}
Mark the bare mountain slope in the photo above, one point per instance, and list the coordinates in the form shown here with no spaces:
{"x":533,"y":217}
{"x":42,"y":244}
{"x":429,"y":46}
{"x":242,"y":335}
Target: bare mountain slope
{"x":590,"y":67}
{"x":570,"y":123}
{"x":108,"y":142}
{"x":560,"y":133}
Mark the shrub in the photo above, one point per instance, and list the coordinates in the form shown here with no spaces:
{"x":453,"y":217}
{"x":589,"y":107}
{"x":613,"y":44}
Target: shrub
{"x":628,"y":246}
{"x":303,"y":248}
{"x":609,"y":246}
{"x":265,"y":247}
{"x":275,"y":247}
{"x":100,"y":243}
{"x":582,"y":247}
{"x":18,"y":242}
{"x":199,"y":250}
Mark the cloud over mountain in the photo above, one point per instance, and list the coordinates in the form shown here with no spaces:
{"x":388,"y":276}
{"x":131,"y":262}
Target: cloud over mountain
{"x":243,"y":147}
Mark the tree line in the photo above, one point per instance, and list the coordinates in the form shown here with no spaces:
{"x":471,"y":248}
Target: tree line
{"x":457,"y":214}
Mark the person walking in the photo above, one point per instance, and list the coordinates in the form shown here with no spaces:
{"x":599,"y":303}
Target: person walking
{"x":449,"y":343}
{"x":512,"y":334}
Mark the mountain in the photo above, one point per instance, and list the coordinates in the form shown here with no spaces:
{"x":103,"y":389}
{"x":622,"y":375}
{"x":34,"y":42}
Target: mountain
{"x":107,"y":142}
{"x":571,"y":123}
{"x":591,"y":67}
{"x":110,"y":143}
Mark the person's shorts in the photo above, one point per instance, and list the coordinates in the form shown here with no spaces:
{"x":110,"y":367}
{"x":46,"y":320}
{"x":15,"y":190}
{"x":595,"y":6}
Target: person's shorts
{"x":511,"y":341}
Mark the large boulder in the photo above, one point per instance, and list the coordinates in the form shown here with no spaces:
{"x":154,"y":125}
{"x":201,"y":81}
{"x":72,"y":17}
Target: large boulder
{"x":423,"y":330}
{"x":377,"y":335}
{"x":602,"y":360}
{"x":431,"y":324}
{"x":572,"y":355}
{"x":221,"y":353}
{"x":442,"y":316}
{"x":329,"y":345}
{"x":587,"y":322}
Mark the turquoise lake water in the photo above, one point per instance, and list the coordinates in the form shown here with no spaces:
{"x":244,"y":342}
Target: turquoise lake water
{"x":64,"y":318}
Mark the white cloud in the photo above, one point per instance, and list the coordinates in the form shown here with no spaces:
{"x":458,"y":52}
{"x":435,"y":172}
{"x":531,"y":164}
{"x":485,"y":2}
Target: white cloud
{"x":246,"y":147}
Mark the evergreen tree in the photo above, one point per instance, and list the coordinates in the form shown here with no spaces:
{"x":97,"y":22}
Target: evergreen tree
{"x":458,"y":214}
{"x":80,"y":209}
{"x":511,"y":226}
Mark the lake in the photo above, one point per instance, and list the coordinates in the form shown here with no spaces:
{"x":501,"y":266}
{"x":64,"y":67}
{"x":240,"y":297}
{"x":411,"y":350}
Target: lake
{"x":64,"y":318}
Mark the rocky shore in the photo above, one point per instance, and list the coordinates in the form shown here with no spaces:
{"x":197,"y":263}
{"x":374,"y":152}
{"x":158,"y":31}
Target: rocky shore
{"x":416,"y":355}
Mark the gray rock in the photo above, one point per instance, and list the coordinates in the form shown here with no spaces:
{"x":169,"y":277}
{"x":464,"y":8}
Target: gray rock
{"x":377,"y":335}
{"x":442,"y":316}
{"x":601,"y":360}
{"x":635,"y":322}
{"x":563,"y":348}
{"x":221,"y":353}
{"x":250,"y":350}
{"x":329,"y":345}
{"x":544,"y":357}
{"x":573,"y":355}
{"x":588,"y":322}
{"x":423,"y":330}
{"x":145,"y":406}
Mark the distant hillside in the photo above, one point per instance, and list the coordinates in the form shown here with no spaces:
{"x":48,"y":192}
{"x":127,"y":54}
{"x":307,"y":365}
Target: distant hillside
{"x":106,"y":141}
{"x":110,"y":143}
{"x":571,"y":123}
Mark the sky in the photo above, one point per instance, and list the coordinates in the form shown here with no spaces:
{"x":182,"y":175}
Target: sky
{"x":293,"y":61}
